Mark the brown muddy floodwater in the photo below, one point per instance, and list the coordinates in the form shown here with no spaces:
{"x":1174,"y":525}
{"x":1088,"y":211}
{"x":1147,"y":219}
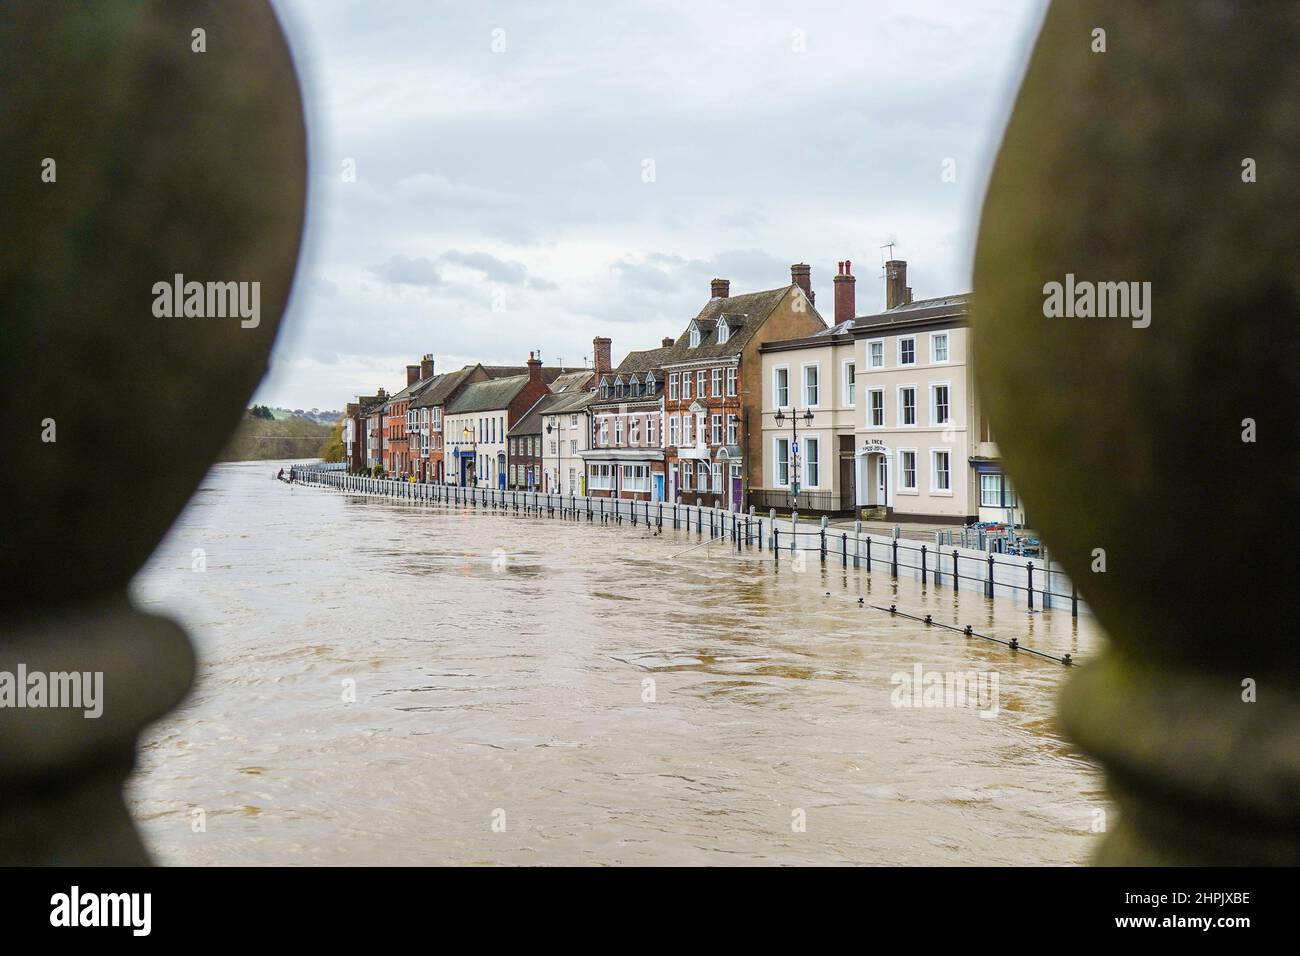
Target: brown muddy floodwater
{"x":537,"y":691}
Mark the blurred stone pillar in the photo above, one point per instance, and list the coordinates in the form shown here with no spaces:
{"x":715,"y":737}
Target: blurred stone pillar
{"x":139,"y":141}
{"x":1158,"y":143}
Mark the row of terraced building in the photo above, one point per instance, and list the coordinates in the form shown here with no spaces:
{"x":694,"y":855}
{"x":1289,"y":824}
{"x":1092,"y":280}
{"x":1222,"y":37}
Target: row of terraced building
{"x":757,"y":401}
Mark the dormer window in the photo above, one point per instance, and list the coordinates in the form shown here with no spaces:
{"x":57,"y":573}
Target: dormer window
{"x":724,"y":332}
{"x":694,"y":334}
{"x":605,"y":389}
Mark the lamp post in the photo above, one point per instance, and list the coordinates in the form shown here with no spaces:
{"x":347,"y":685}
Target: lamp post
{"x":794,"y":418}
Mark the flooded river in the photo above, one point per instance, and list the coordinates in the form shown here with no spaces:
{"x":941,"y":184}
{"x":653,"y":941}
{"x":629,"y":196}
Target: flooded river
{"x":387,"y":682}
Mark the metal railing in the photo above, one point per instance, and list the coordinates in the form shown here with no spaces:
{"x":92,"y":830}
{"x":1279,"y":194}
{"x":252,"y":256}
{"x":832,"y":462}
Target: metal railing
{"x":1041,"y":585}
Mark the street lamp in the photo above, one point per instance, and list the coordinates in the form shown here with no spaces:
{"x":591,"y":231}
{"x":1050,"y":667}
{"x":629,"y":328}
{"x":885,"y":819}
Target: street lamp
{"x":468,"y":435}
{"x":794,"y":418}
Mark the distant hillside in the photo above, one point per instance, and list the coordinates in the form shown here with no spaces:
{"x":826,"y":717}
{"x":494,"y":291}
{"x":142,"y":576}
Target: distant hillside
{"x":261,"y":439}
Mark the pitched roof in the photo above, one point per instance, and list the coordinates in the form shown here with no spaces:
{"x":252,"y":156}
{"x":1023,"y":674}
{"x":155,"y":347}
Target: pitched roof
{"x":637,"y":363}
{"x":486,"y":396}
{"x":744,"y":314}
{"x":531,"y":423}
{"x":917,"y":312}
{"x":549,"y":373}
{"x":442,"y":386}
{"x":572,"y":401}
{"x":569,"y":381}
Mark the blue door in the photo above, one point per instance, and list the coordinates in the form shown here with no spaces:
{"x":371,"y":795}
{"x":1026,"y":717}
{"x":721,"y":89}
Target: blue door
{"x":659,"y":488}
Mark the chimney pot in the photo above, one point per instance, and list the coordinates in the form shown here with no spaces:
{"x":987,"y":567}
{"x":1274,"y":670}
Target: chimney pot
{"x":667,"y":342}
{"x":534,"y":367}
{"x":720,"y":288}
{"x":846,"y":296}
{"x":426,"y":367}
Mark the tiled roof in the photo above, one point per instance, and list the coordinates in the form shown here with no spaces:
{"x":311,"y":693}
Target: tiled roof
{"x":443,"y":385}
{"x":486,"y":396}
{"x":531,"y":423}
{"x":569,"y":381}
{"x":744,"y":314}
{"x":571,"y":401}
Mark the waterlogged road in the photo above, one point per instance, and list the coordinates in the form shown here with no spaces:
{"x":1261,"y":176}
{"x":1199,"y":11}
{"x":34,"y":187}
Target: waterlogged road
{"x":383,"y":682}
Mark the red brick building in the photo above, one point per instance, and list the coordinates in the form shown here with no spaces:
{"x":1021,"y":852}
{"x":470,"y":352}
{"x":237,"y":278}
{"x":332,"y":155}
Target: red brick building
{"x":626,"y":457}
{"x":713,"y":387}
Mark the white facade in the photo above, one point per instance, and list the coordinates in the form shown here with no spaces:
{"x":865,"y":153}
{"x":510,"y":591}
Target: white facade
{"x":565,"y":435}
{"x":475,"y":449}
{"x":901,"y":390}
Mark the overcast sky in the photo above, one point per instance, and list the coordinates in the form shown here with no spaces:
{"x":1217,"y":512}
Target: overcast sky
{"x":502,"y":152}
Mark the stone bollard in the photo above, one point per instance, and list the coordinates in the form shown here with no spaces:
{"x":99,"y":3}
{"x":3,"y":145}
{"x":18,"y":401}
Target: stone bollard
{"x":1122,"y":434}
{"x":115,"y":88}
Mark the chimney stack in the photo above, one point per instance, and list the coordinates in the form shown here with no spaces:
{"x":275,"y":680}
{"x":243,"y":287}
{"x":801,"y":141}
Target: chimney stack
{"x":534,"y":367}
{"x":426,"y":367}
{"x":600,"y":355}
{"x":846,"y":295}
{"x":667,"y":342}
{"x":801,"y":275}
{"x":896,"y":289}
{"x":412,"y":374}
{"x":720,"y":288}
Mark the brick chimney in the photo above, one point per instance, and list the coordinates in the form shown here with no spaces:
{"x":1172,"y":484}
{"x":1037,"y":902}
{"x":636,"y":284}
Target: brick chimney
{"x":534,"y":368}
{"x":801,"y":275}
{"x":667,"y":342}
{"x":896,"y":290}
{"x":720,"y":288}
{"x":412,"y":374}
{"x":426,"y":367}
{"x":846,"y":295}
{"x":600,"y":363}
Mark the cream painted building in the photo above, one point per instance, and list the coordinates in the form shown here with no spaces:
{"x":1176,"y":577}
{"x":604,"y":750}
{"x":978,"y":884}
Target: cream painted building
{"x":566,"y":433}
{"x":888,"y":421}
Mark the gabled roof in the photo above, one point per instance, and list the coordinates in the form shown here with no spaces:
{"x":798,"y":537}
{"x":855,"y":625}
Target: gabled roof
{"x":744,"y":315}
{"x":442,"y":386}
{"x":487,"y":396}
{"x":648,"y":360}
{"x":531,"y":423}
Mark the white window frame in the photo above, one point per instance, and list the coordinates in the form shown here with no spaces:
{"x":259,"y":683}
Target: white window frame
{"x":776,"y":388}
{"x":901,"y":472}
{"x":672,"y":431}
{"x":803,"y":379}
{"x":901,"y":340}
{"x":870,"y":363}
{"x":916,"y":413}
{"x":947,"y":347}
{"x":934,"y":404}
{"x":934,"y":472}
{"x":850,"y":375}
{"x":777,"y":463}
{"x":672,"y":387}
{"x":870,"y":392}
{"x":732,"y":375}
{"x":811,"y":462}
{"x":716,"y":384}
{"x":701,"y":382}
{"x":733,"y":429}
{"x":724,"y":332}
{"x":686,"y":386}
{"x":715,"y":430}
